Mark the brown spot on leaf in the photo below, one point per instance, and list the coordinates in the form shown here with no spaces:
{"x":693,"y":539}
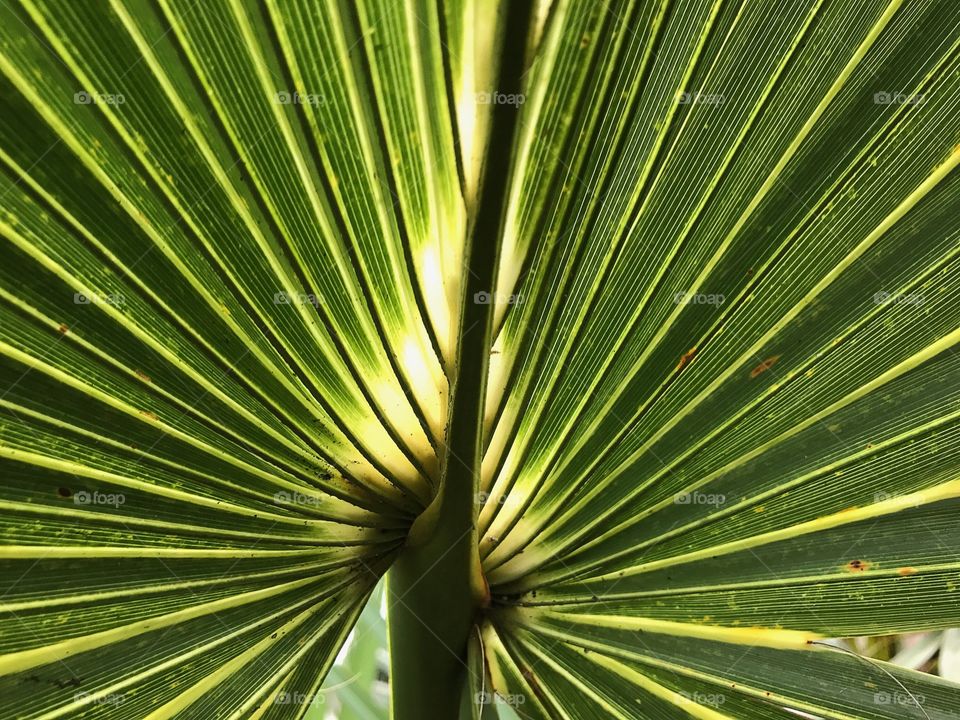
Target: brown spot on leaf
{"x":530,"y":678}
{"x":64,"y":492}
{"x":143,"y":376}
{"x":63,"y":329}
{"x":149,"y":415}
{"x":486,"y":597}
{"x":857,"y":566}
{"x":764,"y":366}
{"x":686,"y":358}
{"x":906,"y":571}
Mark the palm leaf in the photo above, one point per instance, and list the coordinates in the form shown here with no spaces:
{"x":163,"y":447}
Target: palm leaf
{"x":646,"y":310}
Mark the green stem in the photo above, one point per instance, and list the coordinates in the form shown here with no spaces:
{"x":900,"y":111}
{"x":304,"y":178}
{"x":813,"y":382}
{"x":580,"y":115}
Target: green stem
{"x":436,"y":587}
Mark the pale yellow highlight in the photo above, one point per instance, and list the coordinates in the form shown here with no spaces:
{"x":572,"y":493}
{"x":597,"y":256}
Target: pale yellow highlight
{"x":893,"y":505}
{"x":56,"y":652}
{"x":695,"y":709}
{"x":774,"y":638}
{"x":189,"y":696}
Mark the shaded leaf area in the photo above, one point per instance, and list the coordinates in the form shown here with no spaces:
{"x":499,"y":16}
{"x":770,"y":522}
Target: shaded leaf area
{"x":722,"y":412}
{"x":656,"y":673}
{"x":356,"y":687}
